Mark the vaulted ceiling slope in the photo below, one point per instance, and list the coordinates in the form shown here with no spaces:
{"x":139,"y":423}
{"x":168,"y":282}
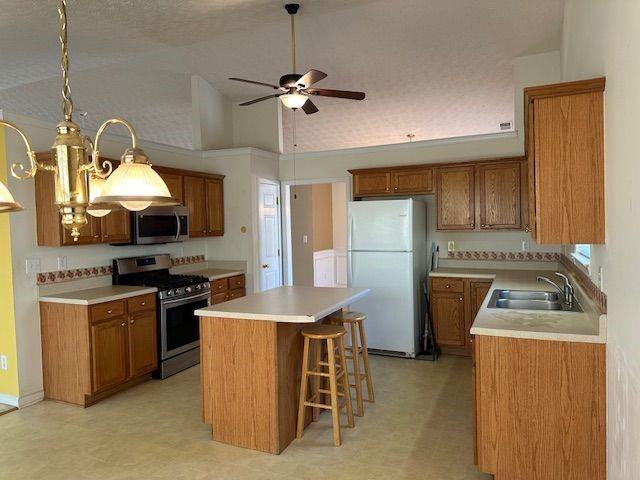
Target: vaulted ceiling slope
{"x":432,"y":68}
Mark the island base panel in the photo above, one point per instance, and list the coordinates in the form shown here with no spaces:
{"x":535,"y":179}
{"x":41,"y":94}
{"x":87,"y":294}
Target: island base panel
{"x":250,"y":375}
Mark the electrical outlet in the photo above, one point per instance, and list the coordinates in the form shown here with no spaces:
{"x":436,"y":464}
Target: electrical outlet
{"x":305,"y":239}
{"x":33,"y":266}
{"x":62,"y":263}
{"x":451,"y":246}
{"x":4,"y":363}
{"x":526,"y":245}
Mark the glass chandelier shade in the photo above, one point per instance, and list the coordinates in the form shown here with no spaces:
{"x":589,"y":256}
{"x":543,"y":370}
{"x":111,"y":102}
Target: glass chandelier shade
{"x":7,"y":203}
{"x":294,"y":100}
{"x":135,"y":185}
{"x":96,"y":187}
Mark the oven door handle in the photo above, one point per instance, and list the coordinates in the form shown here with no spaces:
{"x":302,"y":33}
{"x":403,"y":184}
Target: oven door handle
{"x":201,"y":296}
{"x":178,"y":232}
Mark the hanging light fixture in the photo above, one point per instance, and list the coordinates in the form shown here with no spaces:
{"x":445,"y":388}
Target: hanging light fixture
{"x":134,"y":184}
{"x":294,"y":100}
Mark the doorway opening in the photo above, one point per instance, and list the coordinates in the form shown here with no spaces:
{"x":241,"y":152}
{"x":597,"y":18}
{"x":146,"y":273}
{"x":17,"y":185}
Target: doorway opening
{"x":315,"y":232}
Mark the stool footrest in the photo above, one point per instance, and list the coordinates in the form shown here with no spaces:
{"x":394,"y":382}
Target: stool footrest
{"x":318,"y":405}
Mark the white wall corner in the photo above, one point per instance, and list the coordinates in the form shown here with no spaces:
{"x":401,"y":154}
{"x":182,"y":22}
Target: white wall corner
{"x":211,"y":115}
{"x":258,"y":126}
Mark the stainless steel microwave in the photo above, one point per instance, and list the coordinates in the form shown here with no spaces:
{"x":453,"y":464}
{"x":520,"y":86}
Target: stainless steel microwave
{"x":160,"y":225}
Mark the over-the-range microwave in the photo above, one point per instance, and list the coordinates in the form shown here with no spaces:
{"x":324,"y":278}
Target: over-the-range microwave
{"x":160,"y":225}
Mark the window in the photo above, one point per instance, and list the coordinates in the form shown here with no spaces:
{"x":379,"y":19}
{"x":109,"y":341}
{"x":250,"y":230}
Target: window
{"x":582,"y":253}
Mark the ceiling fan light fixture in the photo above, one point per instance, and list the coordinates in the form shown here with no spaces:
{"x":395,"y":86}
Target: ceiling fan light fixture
{"x":7,"y":203}
{"x":135,"y":185}
{"x":293,"y":100}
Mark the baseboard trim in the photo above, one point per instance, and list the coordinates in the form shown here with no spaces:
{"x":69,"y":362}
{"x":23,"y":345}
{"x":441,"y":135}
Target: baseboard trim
{"x":30,"y":399}
{"x":9,"y":400}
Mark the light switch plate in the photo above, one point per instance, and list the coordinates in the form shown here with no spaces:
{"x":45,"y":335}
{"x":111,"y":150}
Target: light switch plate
{"x":62,"y":263}
{"x":33,"y":265}
{"x":4,"y":364}
{"x":305,"y":239}
{"x":451,"y":246}
{"x":526,"y":245}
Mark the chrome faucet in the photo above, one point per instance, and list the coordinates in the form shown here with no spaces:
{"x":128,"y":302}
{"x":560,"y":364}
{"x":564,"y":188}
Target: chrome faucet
{"x":567,"y":290}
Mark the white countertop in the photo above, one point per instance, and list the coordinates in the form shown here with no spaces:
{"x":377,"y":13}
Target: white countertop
{"x":216,"y":273}
{"x":586,"y":327}
{"x":293,"y":304}
{"x":92,"y":296}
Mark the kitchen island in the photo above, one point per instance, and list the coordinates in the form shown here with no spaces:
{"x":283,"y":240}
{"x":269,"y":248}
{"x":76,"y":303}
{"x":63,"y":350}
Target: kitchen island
{"x":251,"y":358}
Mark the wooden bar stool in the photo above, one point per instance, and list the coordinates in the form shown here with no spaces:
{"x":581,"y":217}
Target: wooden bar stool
{"x":335,"y":373}
{"x":358,"y":347}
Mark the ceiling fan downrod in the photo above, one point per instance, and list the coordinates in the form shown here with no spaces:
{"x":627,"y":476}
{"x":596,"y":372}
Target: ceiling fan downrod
{"x":292,"y":9}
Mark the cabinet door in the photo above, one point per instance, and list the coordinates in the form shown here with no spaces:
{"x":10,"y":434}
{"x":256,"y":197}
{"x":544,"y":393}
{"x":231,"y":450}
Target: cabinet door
{"x":143,"y":348}
{"x":447,"y":310}
{"x":215,"y":208}
{"x":413,"y":181}
{"x":109,"y":356}
{"x":500,"y":196}
{"x":116,"y":227}
{"x":195,"y":198}
{"x":378,"y":183}
{"x":174,"y":184}
{"x":478,"y":291}
{"x":89,"y":234}
{"x":455,"y":198}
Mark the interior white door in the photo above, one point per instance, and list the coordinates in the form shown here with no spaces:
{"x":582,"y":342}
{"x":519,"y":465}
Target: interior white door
{"x":269,"y":235}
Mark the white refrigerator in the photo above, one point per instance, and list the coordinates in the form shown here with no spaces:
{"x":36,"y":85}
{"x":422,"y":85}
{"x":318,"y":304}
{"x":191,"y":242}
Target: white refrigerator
{"x":387,"y":252}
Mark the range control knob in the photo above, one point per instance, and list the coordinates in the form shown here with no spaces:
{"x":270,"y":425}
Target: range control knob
{"x":188,"y":289}
{"x":198,"y":287}
{"x":170,"y":293}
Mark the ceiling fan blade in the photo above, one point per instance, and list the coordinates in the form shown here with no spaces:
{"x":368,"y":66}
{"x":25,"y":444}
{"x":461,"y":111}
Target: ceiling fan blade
{"x":255,"y":83}
{"x":251,"y":102}
{"x":323,"y":92}
{"x":309,"y":107}
{"x":311,"y":77}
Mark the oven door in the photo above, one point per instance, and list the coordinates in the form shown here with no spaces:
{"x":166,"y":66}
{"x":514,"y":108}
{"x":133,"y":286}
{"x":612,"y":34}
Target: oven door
{"x":179,"y":327}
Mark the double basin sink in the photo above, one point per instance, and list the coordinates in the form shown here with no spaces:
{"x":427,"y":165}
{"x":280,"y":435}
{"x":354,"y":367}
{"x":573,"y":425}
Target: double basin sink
{"x":530,"y":300}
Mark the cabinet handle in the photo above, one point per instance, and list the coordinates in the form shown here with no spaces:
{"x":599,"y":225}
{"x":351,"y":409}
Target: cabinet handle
{"x":109,"y":312}
{"x":527,"y":228}
{"x":142,"y":304}
{"x":395,"y":188}
{"x":447,"y":286}
{"x":204,"y":231}
{"x":96,"y":236}
{"x":483,"y":226}
{"x":461,"y":298}
{"x":472,"y":225}
{"x":105,"y":236}
{"x":123,"y":324}
{"x":132,"y":321}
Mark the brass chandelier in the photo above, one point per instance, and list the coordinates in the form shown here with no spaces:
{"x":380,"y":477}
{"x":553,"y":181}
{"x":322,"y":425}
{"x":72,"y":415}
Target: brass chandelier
{"x":83,"y":183}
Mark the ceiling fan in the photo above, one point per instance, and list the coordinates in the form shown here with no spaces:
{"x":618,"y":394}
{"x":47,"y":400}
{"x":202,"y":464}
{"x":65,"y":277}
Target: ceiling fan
{"x":294,"y":89}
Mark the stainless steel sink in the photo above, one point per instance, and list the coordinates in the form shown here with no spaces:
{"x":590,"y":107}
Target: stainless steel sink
{"x":529,"y":295}
{"x":530,"y":300}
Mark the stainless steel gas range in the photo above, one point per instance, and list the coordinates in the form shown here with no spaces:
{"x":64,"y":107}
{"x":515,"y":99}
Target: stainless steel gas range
{"x":178,"y":297}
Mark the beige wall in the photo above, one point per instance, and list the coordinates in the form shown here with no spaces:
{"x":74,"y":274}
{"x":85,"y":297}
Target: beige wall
{"x":258,"y":126}
{"x":301,"y":226}
{"x":322,"y":213}
{"x":602,"y":37}
{"x":339,"y":214}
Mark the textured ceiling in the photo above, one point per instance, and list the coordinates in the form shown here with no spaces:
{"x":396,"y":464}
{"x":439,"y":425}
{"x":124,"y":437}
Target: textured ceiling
{"x":433,"y":68}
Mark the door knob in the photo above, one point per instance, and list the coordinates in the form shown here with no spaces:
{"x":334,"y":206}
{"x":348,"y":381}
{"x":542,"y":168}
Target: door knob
{"x":265,"y":265}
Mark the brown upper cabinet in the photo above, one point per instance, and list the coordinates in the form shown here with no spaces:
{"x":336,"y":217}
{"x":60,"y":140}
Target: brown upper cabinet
{"x":112,"y":228}
{"x":392,"y":181}
{"x":564,"y":143}
{"x":205,"y":199}
{"x":455,"y":198}
{"x":202,"y":192}
{"x":470,"y":196}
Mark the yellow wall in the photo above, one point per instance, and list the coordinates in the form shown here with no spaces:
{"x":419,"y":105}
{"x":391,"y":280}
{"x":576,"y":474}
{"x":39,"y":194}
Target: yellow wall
{"x":9,"y":378}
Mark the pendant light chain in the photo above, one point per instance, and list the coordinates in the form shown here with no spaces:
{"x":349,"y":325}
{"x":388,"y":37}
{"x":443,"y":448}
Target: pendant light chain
{"x":67,"y":102}
{"x":295,"y":144}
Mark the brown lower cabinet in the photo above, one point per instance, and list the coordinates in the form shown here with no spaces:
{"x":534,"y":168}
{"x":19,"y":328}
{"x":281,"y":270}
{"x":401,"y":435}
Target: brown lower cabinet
{"x":539,"y":409}
{"x":90,"y":352}
{"x":225,"y":289}
{"x":454,"y":303}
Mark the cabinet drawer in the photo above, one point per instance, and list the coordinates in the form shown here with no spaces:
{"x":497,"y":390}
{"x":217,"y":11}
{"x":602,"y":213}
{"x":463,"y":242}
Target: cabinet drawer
{"x":237,"y":293}
{"x":236,"y":282}
{"x":220,"y":285}
{"x":107,"y":310}
{"x":141,"y":303}
{"x":218,"y":298}
{"x":447,"y":285}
